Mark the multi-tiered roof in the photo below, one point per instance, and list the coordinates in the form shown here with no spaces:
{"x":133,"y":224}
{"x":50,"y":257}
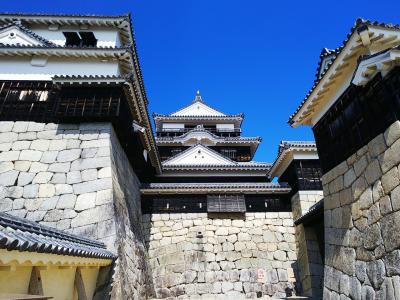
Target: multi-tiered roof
{"x":199,"y":138}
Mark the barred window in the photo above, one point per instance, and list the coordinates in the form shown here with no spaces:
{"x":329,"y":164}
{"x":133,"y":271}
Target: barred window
{"x":226,"y":203}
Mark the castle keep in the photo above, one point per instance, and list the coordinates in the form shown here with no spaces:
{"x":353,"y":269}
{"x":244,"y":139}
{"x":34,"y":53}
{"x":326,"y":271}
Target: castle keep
{"x":94,"y":204}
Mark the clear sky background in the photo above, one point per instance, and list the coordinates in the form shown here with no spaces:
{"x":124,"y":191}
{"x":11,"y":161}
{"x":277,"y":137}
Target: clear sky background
{"x":256,"y":57}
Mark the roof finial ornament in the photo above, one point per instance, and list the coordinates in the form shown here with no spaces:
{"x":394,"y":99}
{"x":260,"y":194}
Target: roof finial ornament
{"x":198,"y":97}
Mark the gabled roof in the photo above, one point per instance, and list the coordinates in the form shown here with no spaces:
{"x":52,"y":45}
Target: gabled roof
{"x":198,"y":155}
{"x":365,"y":36}
{"x":197,"y":108}
{"x":288,"y":150}
{"x":23,"y":34}
{"x":25,"y":235}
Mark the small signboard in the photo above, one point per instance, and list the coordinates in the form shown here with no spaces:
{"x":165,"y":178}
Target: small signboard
{"x":261,"y":275}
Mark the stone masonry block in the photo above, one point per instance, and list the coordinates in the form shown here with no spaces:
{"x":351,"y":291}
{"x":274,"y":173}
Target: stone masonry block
{"x":92,"y":186}
{"x":31,"y":155}
{"x":68,"y":155}
{"x":392,"y":133}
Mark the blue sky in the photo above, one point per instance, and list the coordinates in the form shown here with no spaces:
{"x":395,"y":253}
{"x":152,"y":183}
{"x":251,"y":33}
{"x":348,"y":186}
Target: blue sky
{"x":257,"y":57}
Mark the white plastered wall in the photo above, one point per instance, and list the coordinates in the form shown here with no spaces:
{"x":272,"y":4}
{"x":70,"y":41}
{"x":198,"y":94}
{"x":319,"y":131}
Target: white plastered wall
{"x":22,"y":68}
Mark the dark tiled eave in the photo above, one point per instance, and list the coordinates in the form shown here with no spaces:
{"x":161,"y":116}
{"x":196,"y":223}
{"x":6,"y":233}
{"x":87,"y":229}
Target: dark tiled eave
{"x":198,"y":185}
{"x":316,"y":211}
{"x":296,"y":144}
{"x":25,"y":235}
{"x":238,"y":167}
{"x":42,"y":16}
{"x":166,"y":117}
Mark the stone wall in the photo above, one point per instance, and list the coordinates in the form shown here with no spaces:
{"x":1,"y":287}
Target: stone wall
{"x":193,"y":254}
{"x":362,"y":222}
{"x":311,"y":269}
{"x":76,"y":177}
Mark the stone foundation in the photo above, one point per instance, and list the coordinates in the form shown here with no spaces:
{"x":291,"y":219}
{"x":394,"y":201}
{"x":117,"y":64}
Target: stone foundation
{"x":362,"y":222}
{"x":193,"y":254}
{"x":311,"y":268}
{"x":77,"y":178}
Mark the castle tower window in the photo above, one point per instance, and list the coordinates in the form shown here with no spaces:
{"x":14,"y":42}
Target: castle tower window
{"x":226,"y":203}
{"x":83,"y":38}
{"x":72,"y":38}
{"x":230,"y":153}
{"x":88,"y":38}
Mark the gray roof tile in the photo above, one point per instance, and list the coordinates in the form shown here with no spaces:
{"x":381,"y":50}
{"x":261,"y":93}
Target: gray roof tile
{"x":25,"y":235}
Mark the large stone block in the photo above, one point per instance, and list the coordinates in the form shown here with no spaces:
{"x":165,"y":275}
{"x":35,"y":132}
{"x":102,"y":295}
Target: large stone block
{"x":68,"y":155}
{"x":9,"y":155}
{"x":21,"y":145}
{"x":42,"y":177}
{"x":6,"y":126}
{"x":66,"y":201}
{"x":6,"y":166}
{"x":392,"y":133}
{"x":90,"y":163}
{"x":376,"y":273}
{"x":390,"y":157}
{"x":8,"y":178}
{"x":392,"y":263}
{"x":92,"y":186}
{"x":6,"y":137}
{"x":41,"y":145}
{"x":47,"y":190}
{"x":366,"y":199}
{"x":31,"y":155}
{"x":93,"y":215}
{"x":85,"y":201}
{"x":390,"y":225}
{"x":373,"y":172}
{"x":377,"y":146}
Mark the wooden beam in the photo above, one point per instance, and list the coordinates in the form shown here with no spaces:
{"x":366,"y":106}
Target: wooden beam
{"x":35,"y":283}
{"x":378,"y":37}
{"x":80,"y":285}
{"x":388,"y":39}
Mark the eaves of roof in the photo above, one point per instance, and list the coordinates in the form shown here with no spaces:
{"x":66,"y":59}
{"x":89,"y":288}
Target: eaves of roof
{"x":315,"y":212}
{"x":360,"y":24}
{"x":169,"y":117}
{"x":210,"y":167}
{"x":123,"y":23}
{"x":139,"y":106}
{"x":24,"y":235}
{"x":285,"y":147}
{"x":241,"y":187}
{"x":177,"y":139}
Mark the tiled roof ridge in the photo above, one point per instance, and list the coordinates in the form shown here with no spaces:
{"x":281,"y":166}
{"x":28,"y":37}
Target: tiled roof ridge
{"x":24,"y":235}
{"x":157,"y":115}
{"x":359,"y":23}
{"x":54,"y":46}
{"x":61,"y":15}
{"x":214,"y":184}
{"x":238,"y":165}
{"x":7,"y":220}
